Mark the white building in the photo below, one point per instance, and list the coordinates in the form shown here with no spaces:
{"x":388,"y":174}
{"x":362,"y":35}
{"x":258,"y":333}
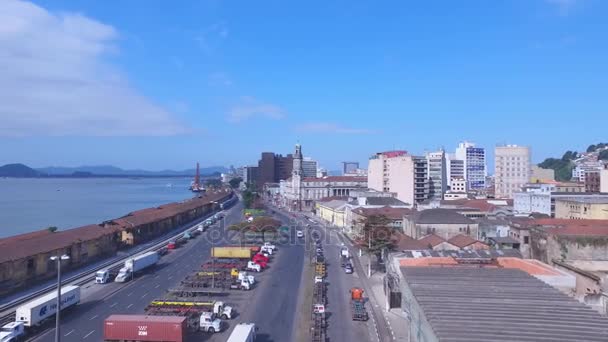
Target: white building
{"x":298,"y":192}
{"x":474,"y":165}
{"x":455,"y":168}
{"x":401,"y":173}
{"x":533,"y":198}
{"x":512,"y":169}
{"x":604,"y":180}
{"x":437,"y":173}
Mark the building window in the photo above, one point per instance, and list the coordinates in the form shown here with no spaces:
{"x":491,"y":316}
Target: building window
{"x":526,"y":240}
{"x":30,"y":265}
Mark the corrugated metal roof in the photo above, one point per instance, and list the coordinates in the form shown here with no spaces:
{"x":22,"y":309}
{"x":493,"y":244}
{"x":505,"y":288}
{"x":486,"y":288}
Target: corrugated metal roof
{"x":493,"y":304}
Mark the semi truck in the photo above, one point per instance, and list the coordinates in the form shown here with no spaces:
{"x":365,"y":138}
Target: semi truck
{"x":243,"y":332}
{"x":35,"y":312}
{"x":145,"y":328}
{"x":135,"y":265}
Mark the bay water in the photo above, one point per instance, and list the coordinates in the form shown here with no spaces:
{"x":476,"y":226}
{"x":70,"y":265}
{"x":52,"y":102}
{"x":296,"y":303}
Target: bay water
{"x":28,"y":204}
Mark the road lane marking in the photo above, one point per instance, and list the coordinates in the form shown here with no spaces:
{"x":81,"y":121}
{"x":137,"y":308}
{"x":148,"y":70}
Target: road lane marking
{"x":129,"y":294}
{"x":157,"y":286}
{"x":169,"y":277}
{"x":71,"y":331}
{"x":157,"y":276}
{"x":113,"y":305}
{"x":130,"y":305}
{"x":92,"y":318}
{"x":145,"y":294}
{"x":89,"y":334}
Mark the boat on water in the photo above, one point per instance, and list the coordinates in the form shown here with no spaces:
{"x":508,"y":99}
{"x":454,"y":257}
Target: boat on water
{"x":196,"y":185}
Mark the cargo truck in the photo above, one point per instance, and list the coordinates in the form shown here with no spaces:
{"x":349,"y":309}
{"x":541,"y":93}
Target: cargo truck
{"x":145,"y":328}
{"x":243,"y":332}
{"x":35,"y":312}
{"x":135,"y":265}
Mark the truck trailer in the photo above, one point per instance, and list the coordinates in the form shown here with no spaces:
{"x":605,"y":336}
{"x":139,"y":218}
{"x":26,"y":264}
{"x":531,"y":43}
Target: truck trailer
{"x":231,"y":252}
{"x":145,"y":328}
{"x":243,"y":332}
{"x":34,"y":312}
{"x":135,"y":265}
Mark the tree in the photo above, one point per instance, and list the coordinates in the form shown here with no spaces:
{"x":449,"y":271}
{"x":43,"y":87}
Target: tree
{"x":569,"y":155}
{"x":248,"y":198}
{"x":603,"y":155}
{"x":591,"y":148}
{"x":52,"y":229}
{"x":376,"y":234}
{"x":563,"y":168}
{"x":213,"y":183}
{"x":234,"y":182}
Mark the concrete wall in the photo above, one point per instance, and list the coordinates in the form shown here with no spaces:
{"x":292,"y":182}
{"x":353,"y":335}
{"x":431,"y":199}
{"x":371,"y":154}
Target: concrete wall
{"x":545,"y":247}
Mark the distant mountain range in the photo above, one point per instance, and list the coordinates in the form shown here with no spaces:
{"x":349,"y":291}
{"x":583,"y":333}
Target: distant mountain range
{"x":20,"y":170}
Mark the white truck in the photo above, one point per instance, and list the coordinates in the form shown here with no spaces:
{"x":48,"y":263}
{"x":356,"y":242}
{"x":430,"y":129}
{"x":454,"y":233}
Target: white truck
{"x":209,"y":323}
{"x":344,"y":252}
{"x":252,"y":266}
{"x":135,"y":265}
{"x":243,"y":332}
{"x":34,"y":312}
{"x":268,"y":245}
{"x":12,"y":332}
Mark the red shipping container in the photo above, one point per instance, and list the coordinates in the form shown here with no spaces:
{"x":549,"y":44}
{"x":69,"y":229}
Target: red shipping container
{"x":144,"y":328}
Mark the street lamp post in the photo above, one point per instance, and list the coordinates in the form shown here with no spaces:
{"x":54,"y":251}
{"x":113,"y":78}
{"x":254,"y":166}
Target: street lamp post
{"x":57,"y":314}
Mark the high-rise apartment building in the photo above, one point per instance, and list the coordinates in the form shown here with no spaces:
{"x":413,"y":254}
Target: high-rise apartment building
{"x":512,"y":169}
{"x":349,"y":167}
{"x":401,"y":173}
{"x":309,"y":167}
{"x":474,"y":164}
{"x":437,"y":173}
{"x":455,"y":168}
{"x":274,"y":167}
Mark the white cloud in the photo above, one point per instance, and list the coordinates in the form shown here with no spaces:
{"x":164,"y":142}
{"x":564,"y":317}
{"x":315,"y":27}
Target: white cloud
{"x":564,"y":7}
{"x":328,"y":127}
{"x":54,"y":80}
{"x":248,"y":107}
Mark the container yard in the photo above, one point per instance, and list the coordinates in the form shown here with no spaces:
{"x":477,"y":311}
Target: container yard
{"x":204,"y":301}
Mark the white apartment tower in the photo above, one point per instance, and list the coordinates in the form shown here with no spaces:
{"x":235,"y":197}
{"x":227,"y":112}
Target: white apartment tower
{"x":401,"y":173}
{"x":512,"y":169}
{"x":474,"y":160}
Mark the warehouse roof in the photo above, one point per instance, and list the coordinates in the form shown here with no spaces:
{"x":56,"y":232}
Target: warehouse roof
{"x":441,"y":216}
{"x":498,"y":304}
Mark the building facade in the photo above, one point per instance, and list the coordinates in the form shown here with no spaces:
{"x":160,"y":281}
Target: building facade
{"x":392,"y":171}
{"x":604,"y":180}
{"x":349,"y":167}
{"x":309,"y":167}
{"x":272,"y":168}
{"x":455,"y":168}
{"x":512,"y":169}
{"x":437,"y":173}
{"x":540,"y":175}
{"x":474,"y":165}
{"x":592,"y":181}
{"x":582,"y":208}
{"x":299,"y":193}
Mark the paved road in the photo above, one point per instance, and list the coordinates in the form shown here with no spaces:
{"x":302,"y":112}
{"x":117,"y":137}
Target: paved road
{"x":271,"y":304}
{"x":85,"y":322}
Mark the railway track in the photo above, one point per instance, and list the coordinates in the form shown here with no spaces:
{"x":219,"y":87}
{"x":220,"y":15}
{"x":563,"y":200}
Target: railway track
{"x":7,"y":311}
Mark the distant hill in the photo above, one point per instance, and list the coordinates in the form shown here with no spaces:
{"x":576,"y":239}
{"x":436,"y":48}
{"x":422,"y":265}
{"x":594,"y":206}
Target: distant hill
{"x":18,"y":170}
{"x":109,"y":170}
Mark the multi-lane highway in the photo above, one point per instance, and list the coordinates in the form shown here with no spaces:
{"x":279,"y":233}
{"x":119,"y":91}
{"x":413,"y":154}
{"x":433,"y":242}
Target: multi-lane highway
{"x":271,"y":304}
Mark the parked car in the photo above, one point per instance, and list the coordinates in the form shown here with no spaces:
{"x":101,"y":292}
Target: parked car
{"x":300,"y":234}
{"x":348,"y":269}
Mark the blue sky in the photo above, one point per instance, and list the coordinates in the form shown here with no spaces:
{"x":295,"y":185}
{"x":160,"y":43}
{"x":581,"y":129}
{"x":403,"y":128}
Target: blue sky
{"x":159,"y":84}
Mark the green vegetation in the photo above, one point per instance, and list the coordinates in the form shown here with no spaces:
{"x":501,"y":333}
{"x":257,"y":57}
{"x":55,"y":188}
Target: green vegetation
{"x":376,"y":234}
{"x":593,"y":148}
{"x":603,"y":155}
{"x":562,"y":167}
{"x":259,"y":224}
{"x":234,"y":182}
{"x":52,"y":229}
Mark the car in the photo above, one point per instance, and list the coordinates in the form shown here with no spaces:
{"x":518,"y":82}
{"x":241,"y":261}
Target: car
{"x":348,"y":269}
{"x":300,"y":234}
{"x":318,"y":279}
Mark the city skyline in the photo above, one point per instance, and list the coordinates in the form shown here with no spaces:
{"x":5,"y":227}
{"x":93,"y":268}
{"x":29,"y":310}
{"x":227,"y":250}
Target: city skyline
{"x":210,"y":82}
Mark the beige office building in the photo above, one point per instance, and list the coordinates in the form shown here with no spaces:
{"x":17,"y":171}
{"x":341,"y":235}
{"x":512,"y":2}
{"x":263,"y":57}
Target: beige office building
{"x":582,"y":208}
{"x":401,"y":173}
{"x":511,"y":170}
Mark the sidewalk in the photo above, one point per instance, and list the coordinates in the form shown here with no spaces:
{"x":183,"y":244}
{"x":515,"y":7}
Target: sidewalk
{"x":396,"y":322}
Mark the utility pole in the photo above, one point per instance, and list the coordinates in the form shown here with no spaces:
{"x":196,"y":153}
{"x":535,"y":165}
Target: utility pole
{"x":369,"y":255}
{"x":58,"y":259}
